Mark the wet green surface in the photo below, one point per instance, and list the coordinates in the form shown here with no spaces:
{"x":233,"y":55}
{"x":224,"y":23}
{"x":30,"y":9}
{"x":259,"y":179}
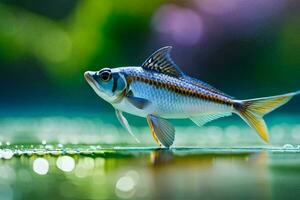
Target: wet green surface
{"x":138,"y":173}
{"x":86,"y":158}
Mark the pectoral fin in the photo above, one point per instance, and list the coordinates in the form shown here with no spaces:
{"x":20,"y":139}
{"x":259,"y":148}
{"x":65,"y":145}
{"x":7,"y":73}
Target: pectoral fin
{"x":125,"y":124}
{"x":140,"y":103}
{"x":162,"y":131}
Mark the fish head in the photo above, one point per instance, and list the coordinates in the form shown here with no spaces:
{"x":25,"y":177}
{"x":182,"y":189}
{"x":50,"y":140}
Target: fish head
{"x":108,"y":83}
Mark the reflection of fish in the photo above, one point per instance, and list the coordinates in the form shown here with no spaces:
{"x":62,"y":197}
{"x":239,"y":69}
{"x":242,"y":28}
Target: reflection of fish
{"x":158,"y":90}
{"x":161,"y":156}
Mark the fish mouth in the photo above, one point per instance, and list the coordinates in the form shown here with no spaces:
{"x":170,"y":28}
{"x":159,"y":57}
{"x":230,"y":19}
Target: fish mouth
{"x":92,"y":82}
{"x":88,"y":77}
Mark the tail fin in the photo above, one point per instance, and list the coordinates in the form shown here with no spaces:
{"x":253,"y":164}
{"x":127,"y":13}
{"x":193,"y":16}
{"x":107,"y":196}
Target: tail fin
{"x":253,"y":110}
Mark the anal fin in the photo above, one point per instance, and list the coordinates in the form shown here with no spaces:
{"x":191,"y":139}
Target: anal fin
{"x":204,"y":118}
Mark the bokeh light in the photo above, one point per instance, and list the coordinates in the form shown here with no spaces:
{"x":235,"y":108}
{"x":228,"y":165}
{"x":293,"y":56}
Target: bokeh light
{"x":84,"y":167}
{"x":40,"y":166}
{"x":183,"y":25}
{"x":125,"y":187}
{"x":6,"y":153}
{"x":65,"y":163}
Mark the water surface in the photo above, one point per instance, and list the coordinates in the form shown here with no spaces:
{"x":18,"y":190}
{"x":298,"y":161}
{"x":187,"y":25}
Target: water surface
{"x":91,"y":172}
{"x":86,"y":158}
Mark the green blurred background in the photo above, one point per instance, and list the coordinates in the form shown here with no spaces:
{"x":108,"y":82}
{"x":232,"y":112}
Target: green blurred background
{"x":245,"y":48}
{"x":59,"y":140}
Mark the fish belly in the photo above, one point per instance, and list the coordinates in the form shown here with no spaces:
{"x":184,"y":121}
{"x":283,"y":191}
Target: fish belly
{"x":168,"y":104}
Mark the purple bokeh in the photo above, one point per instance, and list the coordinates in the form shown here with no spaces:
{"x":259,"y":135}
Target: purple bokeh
{"x":183,"y":25}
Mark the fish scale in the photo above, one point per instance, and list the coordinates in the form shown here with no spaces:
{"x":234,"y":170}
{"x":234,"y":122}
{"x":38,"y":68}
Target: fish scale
{"x":170,"y":104}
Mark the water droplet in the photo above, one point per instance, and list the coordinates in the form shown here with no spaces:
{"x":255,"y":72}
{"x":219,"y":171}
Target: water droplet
{"x":125,"y":187}
{"x":70,"y":151}
{"x":49,"y":147}
{"x":56,"y":152}
{"x":18,"y":152}
{"x":28,"y":152}
{"x":40,"y":166}
{"x":40,"y":152}
{"x":288,"y":146}
{"x":65,"y":163}
{"x":6,"y":154}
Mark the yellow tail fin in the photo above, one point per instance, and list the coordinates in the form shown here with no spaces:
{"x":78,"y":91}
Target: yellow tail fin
{"x":253,"y":110}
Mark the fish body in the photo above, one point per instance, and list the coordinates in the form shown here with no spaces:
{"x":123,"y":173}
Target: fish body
{"x":170,"y":97}
{"x":158,"y":90}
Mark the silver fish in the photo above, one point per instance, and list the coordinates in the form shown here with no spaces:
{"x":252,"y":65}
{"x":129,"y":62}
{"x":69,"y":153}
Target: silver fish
{"x":159,"y":90}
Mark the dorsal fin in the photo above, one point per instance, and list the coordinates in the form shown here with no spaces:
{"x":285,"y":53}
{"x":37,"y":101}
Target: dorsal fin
{"x":161,"y":61}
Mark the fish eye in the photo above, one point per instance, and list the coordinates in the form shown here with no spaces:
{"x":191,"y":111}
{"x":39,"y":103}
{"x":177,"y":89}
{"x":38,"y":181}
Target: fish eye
{"x":105,"y":75}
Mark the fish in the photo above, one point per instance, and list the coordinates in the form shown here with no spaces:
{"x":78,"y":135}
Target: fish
{"x":159,"y":90}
